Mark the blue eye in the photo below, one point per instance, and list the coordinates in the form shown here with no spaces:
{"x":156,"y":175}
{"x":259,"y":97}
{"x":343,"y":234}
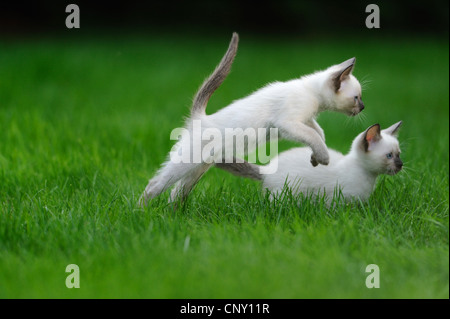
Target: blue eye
{"x":389,"y":155}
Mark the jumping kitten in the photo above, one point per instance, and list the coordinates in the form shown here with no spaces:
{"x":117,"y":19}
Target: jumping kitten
{"x":290,"y":106}
{"x":373,"y":152}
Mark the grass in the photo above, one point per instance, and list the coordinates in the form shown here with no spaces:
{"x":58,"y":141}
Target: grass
{"x":86,"y":122}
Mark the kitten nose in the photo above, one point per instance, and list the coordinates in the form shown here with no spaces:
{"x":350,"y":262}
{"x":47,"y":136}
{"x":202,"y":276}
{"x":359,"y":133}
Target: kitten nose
{"x":361,"y":106}
{"x":398,"y":162}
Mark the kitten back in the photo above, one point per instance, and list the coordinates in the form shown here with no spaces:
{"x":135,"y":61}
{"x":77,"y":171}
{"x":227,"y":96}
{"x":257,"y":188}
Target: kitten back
{"x":213,"y":82}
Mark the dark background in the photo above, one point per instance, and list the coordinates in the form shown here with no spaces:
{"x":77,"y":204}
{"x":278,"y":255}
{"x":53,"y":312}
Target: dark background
{"x":206,"y":16}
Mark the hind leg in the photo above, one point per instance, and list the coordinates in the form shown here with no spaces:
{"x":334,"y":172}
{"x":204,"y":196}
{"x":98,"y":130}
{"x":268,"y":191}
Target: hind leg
{"x":184,"y":186}
{"x":169,"y":174}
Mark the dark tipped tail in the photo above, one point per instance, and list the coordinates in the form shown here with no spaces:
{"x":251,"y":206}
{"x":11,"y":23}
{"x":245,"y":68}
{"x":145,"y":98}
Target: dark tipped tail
{"x":244,"y":169}
{"x":215,"y":79}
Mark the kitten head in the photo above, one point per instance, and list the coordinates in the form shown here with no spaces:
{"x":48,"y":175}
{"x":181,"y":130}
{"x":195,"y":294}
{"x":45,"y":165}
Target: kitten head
{"x":344,"y":88}
{"x":378,"y":150}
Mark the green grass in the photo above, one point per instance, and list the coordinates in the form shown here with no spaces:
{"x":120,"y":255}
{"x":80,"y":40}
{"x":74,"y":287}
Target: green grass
{"x":86,"y":122}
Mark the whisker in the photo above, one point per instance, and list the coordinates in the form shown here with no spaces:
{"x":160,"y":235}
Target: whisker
{"x":408,"y":168}
{"x":347,"y":121}
{"x":360,"y":119}
{"x":365,"y":81}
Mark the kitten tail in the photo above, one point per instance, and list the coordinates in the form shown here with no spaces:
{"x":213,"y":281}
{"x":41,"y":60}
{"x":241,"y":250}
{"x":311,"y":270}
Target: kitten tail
{"x":215,"y":79}
{"x":244,"y":169}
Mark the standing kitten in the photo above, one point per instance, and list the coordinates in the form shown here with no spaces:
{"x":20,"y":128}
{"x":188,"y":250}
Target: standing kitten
{"x":290,"y":106}
{"x":373,"y":152}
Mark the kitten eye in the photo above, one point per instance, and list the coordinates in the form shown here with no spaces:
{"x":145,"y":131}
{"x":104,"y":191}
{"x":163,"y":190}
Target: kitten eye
{"x":356,"y":98}
{"x":389,"y":155}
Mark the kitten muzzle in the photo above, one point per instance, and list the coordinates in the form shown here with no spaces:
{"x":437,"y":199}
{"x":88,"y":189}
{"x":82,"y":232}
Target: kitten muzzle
{"x":355,"y":111}
{"x":398,"y":164}
{"x":361,"y":105}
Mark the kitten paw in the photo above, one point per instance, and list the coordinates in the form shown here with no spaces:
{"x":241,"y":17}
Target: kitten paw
{"x":316,"y":160}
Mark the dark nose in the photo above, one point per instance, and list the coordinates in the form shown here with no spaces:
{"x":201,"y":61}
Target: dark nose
{"x":361,"y":106}
{"x":398,"y":162}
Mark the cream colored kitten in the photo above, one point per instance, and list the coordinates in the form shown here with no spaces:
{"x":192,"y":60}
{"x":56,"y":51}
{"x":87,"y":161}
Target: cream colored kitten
{"x":373,"y":152}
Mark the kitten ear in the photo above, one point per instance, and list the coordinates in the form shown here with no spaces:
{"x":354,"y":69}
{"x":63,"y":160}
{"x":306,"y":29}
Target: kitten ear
{"x":393,"y":130}
{"x":371,"y":135}
{"x":345,"y":69}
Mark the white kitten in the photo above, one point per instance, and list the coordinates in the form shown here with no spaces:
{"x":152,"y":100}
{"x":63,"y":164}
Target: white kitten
{"x":290,"y":106}
{"x":373,"y":152}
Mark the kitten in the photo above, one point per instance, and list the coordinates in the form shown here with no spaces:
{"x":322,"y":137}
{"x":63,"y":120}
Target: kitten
{"x":290,"y":106}
{"x":373,"y":152}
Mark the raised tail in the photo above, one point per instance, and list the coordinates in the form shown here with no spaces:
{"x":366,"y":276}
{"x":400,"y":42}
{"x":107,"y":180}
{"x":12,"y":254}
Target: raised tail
{"x":215,"y":79}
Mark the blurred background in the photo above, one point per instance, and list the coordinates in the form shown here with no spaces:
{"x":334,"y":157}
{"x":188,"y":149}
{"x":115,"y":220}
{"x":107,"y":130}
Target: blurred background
{"x":290,"y":17}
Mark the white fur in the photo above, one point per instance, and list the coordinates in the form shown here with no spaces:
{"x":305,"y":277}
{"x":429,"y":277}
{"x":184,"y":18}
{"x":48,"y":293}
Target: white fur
{"x":353,"y":174}
{"x":290,"y":106}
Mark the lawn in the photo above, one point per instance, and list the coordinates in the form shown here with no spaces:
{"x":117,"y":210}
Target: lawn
{"x":85,"y":122}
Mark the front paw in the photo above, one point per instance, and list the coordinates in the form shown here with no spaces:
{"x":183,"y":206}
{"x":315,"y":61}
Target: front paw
{"x":319,"y":159}
{"x":314,"y":162}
